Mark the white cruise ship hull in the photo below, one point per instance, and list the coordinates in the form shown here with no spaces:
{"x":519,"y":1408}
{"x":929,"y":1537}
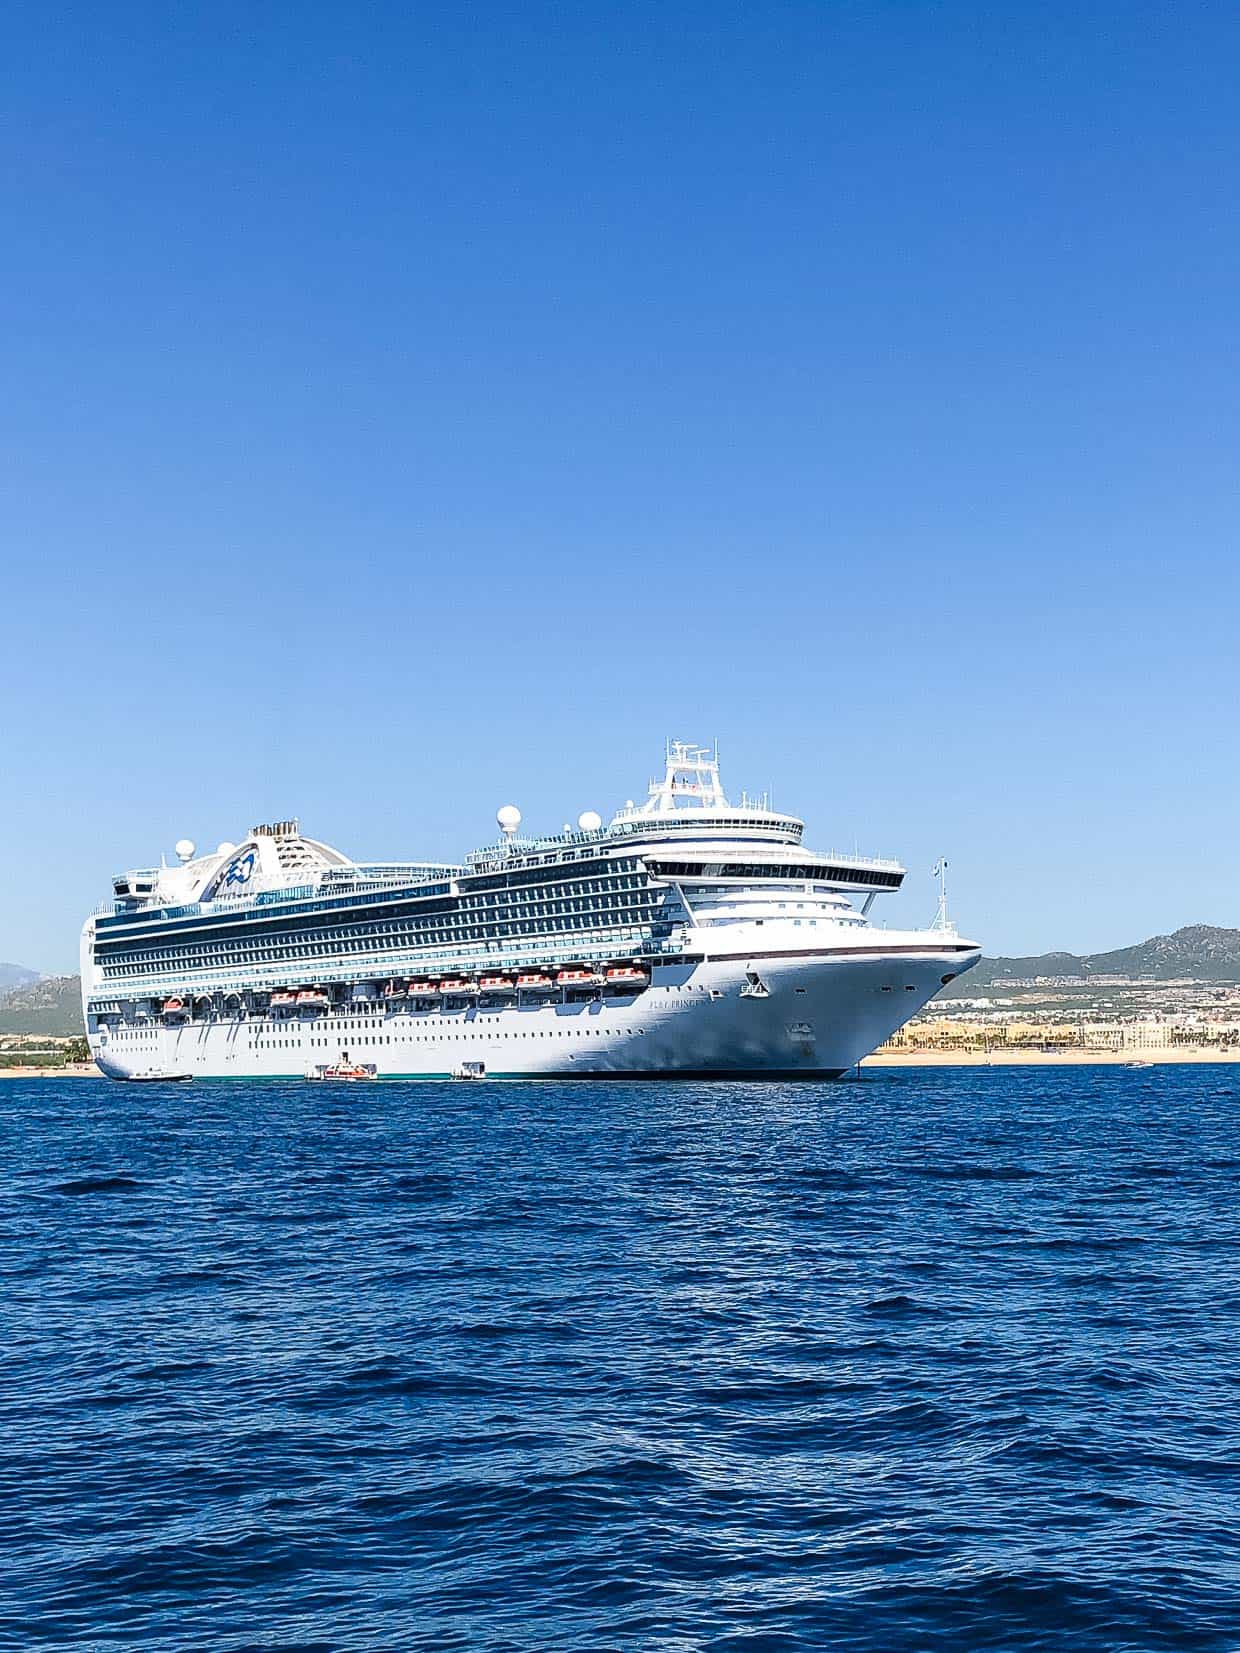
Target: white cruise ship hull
{"x":812,"y":1012}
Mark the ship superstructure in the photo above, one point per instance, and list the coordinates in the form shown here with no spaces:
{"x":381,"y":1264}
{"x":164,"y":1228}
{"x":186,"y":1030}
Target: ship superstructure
{"x":688,"y":937}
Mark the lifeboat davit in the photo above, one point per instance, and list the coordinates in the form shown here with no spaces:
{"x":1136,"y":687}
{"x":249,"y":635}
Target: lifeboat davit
{"x":173,"y":1007}
{"x":395,"y":990}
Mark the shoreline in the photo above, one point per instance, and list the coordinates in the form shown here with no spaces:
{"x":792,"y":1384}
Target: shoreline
{"x":71,"y":1070}
{"x":1154,"y":1056}
{"x":1159,"y":1056}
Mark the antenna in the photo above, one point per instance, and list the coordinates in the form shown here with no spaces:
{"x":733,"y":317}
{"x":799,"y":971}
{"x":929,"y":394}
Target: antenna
{"x":940,"y":872}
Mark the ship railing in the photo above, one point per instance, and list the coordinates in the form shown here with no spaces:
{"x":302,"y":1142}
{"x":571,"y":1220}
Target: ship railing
{"x":265,"y":898}
{"x":570,"y":846}
{"x":392,"y":872}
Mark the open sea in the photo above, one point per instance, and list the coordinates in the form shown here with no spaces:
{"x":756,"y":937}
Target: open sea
{"x":939,"y":1359}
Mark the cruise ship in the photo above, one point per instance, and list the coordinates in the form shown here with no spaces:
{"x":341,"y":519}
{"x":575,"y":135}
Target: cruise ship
{"x":689,"y":937}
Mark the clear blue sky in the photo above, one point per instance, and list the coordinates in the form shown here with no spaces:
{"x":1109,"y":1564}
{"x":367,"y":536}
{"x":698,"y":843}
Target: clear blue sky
{"x":410,"y":408}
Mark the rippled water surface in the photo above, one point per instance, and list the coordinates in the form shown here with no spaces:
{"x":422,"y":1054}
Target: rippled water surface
{"x":936,"y":1360}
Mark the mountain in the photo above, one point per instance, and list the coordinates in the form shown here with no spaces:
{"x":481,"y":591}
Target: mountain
{"x":53,"y":1005}
{"x":1205,"y":951}
{"x":15,"y":975}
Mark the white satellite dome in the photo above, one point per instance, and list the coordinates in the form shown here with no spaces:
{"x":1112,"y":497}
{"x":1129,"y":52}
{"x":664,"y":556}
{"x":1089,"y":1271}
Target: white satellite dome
{"x":509,"y":818}
{"x":225,"y":848}
{"x":589,"y":820}
{"x":185,"y":849}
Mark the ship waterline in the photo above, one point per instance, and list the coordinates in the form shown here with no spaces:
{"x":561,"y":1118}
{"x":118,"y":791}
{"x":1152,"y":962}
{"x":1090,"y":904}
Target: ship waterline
{"x":688,"y":938}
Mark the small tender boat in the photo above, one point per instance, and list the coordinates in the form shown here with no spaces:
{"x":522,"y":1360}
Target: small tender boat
{"x":627,"y":975}
{"x":283,"y":1001}
{"x":424,"y":989}
{"x":350,"y":1071}
{"x":578,"y":976}
{"x":457,"y":985}
{"x":470,"y":1070}
{"x":533,"y":981}
{"x":313,"y":998}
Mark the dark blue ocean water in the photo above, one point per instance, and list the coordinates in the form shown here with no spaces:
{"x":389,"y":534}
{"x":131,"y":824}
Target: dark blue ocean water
{"x":937,"y":1360}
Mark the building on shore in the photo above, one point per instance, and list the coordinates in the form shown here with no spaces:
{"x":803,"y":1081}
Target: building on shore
{"x":948,"y":1033}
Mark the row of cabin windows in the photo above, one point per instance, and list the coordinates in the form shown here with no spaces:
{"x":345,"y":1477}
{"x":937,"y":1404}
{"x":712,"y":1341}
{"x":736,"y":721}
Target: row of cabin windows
{"x":324,"y":950}
{"x":499,"y":903}
{"x":611,"y":938}
{"x":390,"y":937}
{"x":553,"y":915}
{"x":367,"y":1040}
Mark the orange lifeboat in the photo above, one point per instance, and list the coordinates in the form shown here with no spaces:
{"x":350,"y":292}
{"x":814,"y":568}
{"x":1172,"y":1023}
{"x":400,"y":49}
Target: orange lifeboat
{"x":457,"y":985}
{"x":534,"y":981}
{"x":495,"y":984}
{"x":629,"y":976}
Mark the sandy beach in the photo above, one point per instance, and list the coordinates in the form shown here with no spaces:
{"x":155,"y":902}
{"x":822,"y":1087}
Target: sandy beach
{"x":73,"y":1070}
